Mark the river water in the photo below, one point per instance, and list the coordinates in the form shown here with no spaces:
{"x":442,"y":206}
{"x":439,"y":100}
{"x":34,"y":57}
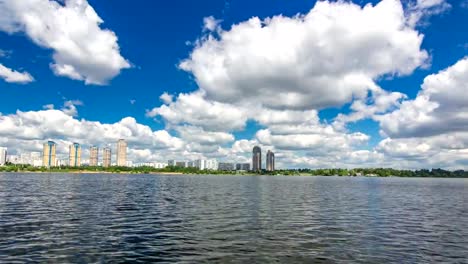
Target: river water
{"x":231,"y":219}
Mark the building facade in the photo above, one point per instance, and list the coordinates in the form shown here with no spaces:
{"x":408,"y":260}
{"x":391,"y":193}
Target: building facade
{"x":206,"y":164}
{"x":270,"y":161}
{"x":226,"y":166}
{"x":31,"y":158}
{"x":211,"y":164}
{"x":15,"y":159}
{"x":74,"y":157}
{"x":93,"y":156}
{"x":121,"y":153}
{"x":160,"y":165}
{"x":200,"y":164}
{"x":106,"y":157}
{"x":243,"y":166}
{"x":257,"y":159}
{"x":49,"y":154}
{"x":3,"y":156}
{"x":36,"y":159}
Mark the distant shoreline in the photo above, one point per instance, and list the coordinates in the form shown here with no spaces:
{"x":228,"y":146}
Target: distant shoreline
{"x":220,"y":174}
{"x":91,"y":172}
{"x":174,"y":170}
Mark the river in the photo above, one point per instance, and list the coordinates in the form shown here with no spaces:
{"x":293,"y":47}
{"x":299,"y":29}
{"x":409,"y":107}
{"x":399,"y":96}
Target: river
{"x":231,"y":219}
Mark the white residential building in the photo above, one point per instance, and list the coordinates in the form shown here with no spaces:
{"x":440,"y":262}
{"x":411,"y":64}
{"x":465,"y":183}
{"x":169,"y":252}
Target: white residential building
{"x":3,"y":156}
{"x":15,"y":159}
{"x":156,"y":165}
{"x":25,"y":158}
{"x":201,"y":164}
{"x":144,"y":164}
{"x":160,"y":165}
{"x":212,"y":164}
{"x":36,"y":156}
{"x":31,"y":158}
{"x":62,"y":161}
{"x":37,"y":163}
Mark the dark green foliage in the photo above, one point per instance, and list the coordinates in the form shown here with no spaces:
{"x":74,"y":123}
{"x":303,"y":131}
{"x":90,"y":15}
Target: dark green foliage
{"x":381,"y":172}
{"x":378,"y":172}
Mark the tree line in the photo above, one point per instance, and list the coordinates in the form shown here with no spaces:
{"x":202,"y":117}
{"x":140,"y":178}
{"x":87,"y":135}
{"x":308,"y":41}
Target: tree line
{"x":377,"y":172}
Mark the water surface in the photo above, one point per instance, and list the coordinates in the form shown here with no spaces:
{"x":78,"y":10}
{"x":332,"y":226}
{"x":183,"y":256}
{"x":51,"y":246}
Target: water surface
{"x":231,"y":219}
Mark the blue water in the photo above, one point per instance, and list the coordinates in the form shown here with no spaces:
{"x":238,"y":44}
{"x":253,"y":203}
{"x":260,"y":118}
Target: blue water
{"x":231,"y":219}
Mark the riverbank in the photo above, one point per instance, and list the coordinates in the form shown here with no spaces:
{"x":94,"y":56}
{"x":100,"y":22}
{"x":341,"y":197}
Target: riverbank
{"x":220,"y":174}
{"x":366,"y":172}
{"x":91,"y":172}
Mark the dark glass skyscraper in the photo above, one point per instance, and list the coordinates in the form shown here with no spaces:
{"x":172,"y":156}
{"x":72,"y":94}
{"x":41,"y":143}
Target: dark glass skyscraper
{"x":257,"y":159}
{"x":270,"y":161}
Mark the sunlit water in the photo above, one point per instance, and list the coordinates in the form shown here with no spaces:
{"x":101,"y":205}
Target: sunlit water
{"x":232,"y":219}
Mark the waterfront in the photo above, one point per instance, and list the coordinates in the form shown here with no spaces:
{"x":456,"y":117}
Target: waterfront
{"x":238,"y":219}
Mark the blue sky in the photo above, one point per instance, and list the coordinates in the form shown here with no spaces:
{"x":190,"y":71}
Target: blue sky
{"x":155,"y":38}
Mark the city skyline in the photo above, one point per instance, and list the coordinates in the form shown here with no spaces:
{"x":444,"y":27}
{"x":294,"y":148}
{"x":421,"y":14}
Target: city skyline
{"x":49,"y":159}
{"x":320,"y":83}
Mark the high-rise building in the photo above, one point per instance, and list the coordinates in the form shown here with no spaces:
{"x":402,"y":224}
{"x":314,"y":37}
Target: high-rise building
{"x":270,"y":161}
{"x":3,"y":156}
{"x":106,"y":157}
{"x":121,"y":153}
{"x":257,"y":159}
{"x":48,"y":154}
{"x":93,"y":156}
{"x":74,"y":157}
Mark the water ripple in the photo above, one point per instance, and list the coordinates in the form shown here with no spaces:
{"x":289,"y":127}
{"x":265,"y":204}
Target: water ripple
{"x":232,"y":219}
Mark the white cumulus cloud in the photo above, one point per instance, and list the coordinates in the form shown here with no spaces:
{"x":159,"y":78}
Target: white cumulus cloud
{"x":324,"y":58}
{"x":82,"y":49}
{"x":440,"y":107}
{"x":431,"y":129}
{"x":194,"y":109}
{"x":421,"y":10}
{"x":281,"y":71}
{"x":12,"y":76}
